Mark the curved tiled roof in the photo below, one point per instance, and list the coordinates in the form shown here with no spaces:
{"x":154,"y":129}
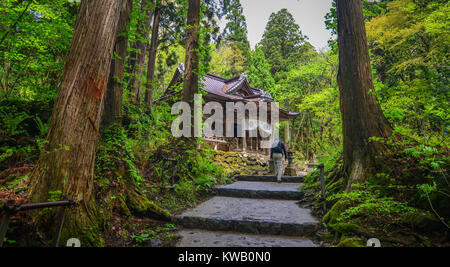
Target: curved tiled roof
{"x":228,"y":88}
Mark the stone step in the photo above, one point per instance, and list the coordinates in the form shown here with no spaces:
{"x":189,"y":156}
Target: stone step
{"x":270,"y":178}
{"x":257,"y":216}
{"x":201,"y":238}
{"x":268,"y":190}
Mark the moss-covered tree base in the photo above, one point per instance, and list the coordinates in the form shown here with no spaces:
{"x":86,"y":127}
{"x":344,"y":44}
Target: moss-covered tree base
{"x":405,"y":203}
{"x":120,"y":187}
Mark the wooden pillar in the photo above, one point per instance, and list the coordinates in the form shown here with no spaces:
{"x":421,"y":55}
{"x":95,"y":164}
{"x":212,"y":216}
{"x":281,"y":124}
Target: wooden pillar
{"x":244,"y":141}
{"x":257,"y":140}
{"x":272,"y":137}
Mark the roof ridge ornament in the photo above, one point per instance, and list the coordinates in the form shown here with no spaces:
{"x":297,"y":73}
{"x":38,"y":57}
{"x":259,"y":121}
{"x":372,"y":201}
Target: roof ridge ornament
{"x":242,"y":78}
{"x":181,"y":68}
{"x":267,"y":94}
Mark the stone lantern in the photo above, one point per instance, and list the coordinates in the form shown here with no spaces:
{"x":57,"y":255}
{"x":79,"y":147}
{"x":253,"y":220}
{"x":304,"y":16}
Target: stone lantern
{"x":291,"y":169}
{"x":271,"y":166}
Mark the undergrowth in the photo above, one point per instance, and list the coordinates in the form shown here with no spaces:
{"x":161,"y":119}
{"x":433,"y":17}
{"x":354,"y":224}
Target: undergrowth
{"x":406,"y":202}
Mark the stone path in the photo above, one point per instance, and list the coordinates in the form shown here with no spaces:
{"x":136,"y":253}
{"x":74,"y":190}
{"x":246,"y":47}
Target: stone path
{"x":267,"y":190}
{"x":252,"y":212}
{"x":196,"y":238}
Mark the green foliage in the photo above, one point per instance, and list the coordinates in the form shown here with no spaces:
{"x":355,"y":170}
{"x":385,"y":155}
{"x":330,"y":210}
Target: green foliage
{"x":282,"y":42}
{"x":408,"y":193}
{"x":115,"y":150}
{"x":14,"y":184}
{"x":351,"y":242}
{"x":365,"y":202}
{"x":228,"y":60}
{"x":410,"y":44}
{"x":54,"y":195}
{"x":196,"y":171}
{"x":167,"y":60}
{"x":9,"y":241}
{"x":311,"y":89}
{"x":120,"y":184}
{"x":312,"y":182}
{"x":323,"y":108}
{"x":148,"y":131}
{"x":235,"y":30}
{"x":371,"y":9}
{"x":366,"y":213}
{"x":416,"y":173}
{"x":42,"y":127}
{"x":22,"y":124}
{"x":331,"y":24}
{"x":34,"y":41}
{"x":164,"y":233}
{"x":259,"y":74}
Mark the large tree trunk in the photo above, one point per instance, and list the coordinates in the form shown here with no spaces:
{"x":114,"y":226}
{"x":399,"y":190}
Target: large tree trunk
{"x":67,"y":162}
{"x":362,"y":117}
{"x":113,"y":99}
{"x":190,"y":86}
{"x":143,"y":32}
{"x":152,"y":59}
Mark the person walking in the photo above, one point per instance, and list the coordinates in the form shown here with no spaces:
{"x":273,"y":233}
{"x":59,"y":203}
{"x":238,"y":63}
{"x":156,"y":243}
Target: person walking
{"x":276,"y":154}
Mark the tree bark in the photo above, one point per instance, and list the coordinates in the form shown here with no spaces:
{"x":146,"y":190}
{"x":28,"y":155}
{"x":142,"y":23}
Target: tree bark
{"x":152,"y":59}
{"x":113,"y":100}
{"x":190,"y":86}
{"x":67,"y":162}
{"x":362,"y":117}
{"x":143,"y":32}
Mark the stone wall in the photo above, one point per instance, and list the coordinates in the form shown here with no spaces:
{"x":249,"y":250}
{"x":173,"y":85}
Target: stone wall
{"x":241,"y":163}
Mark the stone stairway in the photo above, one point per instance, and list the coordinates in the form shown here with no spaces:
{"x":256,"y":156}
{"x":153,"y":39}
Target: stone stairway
{"x":254,"y":211}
